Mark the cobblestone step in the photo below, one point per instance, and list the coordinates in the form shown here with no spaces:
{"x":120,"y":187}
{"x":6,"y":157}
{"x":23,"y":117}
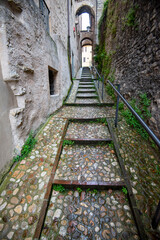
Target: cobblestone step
{"x":88,"y":163}
{"x":86,"y":86}
{"x":86,"y":83}
{"x":89,"y":214}
{"x":87,"y":100}
{"x":89,"y":95}
{"x":87,"y":130}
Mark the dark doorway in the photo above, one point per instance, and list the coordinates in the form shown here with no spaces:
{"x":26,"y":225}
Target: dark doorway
{"x":52,"y":82}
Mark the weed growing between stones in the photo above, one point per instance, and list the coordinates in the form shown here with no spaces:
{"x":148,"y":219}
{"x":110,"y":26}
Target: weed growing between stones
{"x":68,"y":142}
{"x":111,"y":145}
{"x":59,"y":188}
{"x":130,"y":18}
{"x":27,"y":148}
{"x":94,"y":191}
{"x":124,"y":190}
{"x":157,"y":169}
{"x":79,"y":189}
{"x":141,"y":109}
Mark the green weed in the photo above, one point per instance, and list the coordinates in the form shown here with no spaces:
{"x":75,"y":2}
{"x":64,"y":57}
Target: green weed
{"x":94,"y":191}
{"x":59,"y":188}
{"x":141,"y":108}
{"x":68,"y":142}
{"x":130,"y":18}
{"x":27,"y":148}
{"x":157,"y":169}
{"x":124,"y":190}
{"x":79,"y":189}
{"x":111,"y":145}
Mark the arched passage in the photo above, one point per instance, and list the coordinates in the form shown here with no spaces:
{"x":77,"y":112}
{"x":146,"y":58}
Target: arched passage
{"x":85,"y":38}
{"x":86,"y":41}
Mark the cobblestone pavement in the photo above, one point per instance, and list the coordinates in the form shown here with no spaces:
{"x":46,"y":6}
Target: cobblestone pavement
{"x":87,"y":100}
{"x":142,"y":162}
{"x":77,"y":214}
{"x":84,"y":112}
{"x":89,"y":215}
{"x":87,"y":130}
{"x":22,"y":193}
{"x":88,"y":163}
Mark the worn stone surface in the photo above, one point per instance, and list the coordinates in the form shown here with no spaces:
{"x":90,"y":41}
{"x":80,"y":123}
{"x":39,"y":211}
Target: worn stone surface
{"x":78,"y":213}
{"x":22,"y":193}
{"x":135,"y":50}
{"x":83,"y":218}
{"x":88,"y":163}
{"x":84,"y":130}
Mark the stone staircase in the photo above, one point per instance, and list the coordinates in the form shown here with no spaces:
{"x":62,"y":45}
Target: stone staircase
{"x":86,"y":92}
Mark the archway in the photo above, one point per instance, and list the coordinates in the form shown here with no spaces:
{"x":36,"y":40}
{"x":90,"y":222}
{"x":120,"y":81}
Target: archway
{"x":85,"y":34}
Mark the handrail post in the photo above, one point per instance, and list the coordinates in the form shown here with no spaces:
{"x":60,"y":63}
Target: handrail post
{"x":156,"y":217}
{"x":117,"y":106}
{"x":102,"y":86}
{"x":149,"y":131}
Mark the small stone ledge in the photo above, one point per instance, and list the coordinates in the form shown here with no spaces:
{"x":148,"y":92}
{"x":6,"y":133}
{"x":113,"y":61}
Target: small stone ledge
{"x":16,"y":111}
{"x":12,"y":78}
{"x":28,"y":70}
{"x":54,"y":96}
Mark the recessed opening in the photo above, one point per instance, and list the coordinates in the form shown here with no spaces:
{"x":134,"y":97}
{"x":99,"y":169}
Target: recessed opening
{"x":52,"y":81}
{"x":45,"y":13}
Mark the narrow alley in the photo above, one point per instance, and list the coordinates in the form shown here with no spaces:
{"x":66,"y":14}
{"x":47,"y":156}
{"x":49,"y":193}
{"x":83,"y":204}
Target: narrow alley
{"x":74,"y":185}
{"x":79,"y":120}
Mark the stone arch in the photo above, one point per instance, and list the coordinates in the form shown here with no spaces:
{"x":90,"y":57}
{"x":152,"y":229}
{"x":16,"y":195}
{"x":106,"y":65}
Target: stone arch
{"x":85,"y":9}
{"x":86,"y":41}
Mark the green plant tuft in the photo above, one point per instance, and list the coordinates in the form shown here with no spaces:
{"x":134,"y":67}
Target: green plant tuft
{"x":79,"y":189}
{"x":59,"y":188}
{"x":141,"y":108}
{"x":111,"y":145}
{"x":130,"y":18}
{"x":27,"y":148}
{"x":68,"y":142}
{"x":124,"y":190}
{"x":157,"y":169}
{"x":94,"y":191}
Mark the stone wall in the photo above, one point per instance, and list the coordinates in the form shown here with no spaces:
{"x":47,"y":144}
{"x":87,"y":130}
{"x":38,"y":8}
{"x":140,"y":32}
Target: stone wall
{"x":26,"y":52}
{"x":7,"y":102}
{"x":135,"y":50}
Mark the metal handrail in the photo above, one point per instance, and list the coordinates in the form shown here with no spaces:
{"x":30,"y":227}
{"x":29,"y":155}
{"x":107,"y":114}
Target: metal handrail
{"x":144,"y":125}
{"x":97,"y":72}
{"x":99,"y":77}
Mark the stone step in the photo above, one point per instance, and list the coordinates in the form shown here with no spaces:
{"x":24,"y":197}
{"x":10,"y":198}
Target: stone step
{"x":86,"y":79}
{"x":86,"y":83}
{"x":87,"y":101}
{"x":87,"y":95}
{"x":86,"y":86}
{"x":86,"y":91}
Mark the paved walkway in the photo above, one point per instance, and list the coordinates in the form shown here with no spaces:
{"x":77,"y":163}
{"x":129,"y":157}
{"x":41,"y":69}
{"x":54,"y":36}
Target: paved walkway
{"x":80,"y":212}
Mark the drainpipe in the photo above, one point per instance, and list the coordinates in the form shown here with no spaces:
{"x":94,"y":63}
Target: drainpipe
{"x":69,"y":45}
{"x":96,"y":24}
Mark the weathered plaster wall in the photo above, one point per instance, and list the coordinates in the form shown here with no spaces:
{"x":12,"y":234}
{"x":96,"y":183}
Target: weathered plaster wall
{"x":135,"y":50}
{"x":25,"y":54}
{"x":7,"y":102}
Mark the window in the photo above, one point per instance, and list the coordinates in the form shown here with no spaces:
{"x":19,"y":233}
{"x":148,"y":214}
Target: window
{"x":85,"y":49}
{"x":52,"y":81}
{"x":84,"y":59}
{"x":45,"y":13}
